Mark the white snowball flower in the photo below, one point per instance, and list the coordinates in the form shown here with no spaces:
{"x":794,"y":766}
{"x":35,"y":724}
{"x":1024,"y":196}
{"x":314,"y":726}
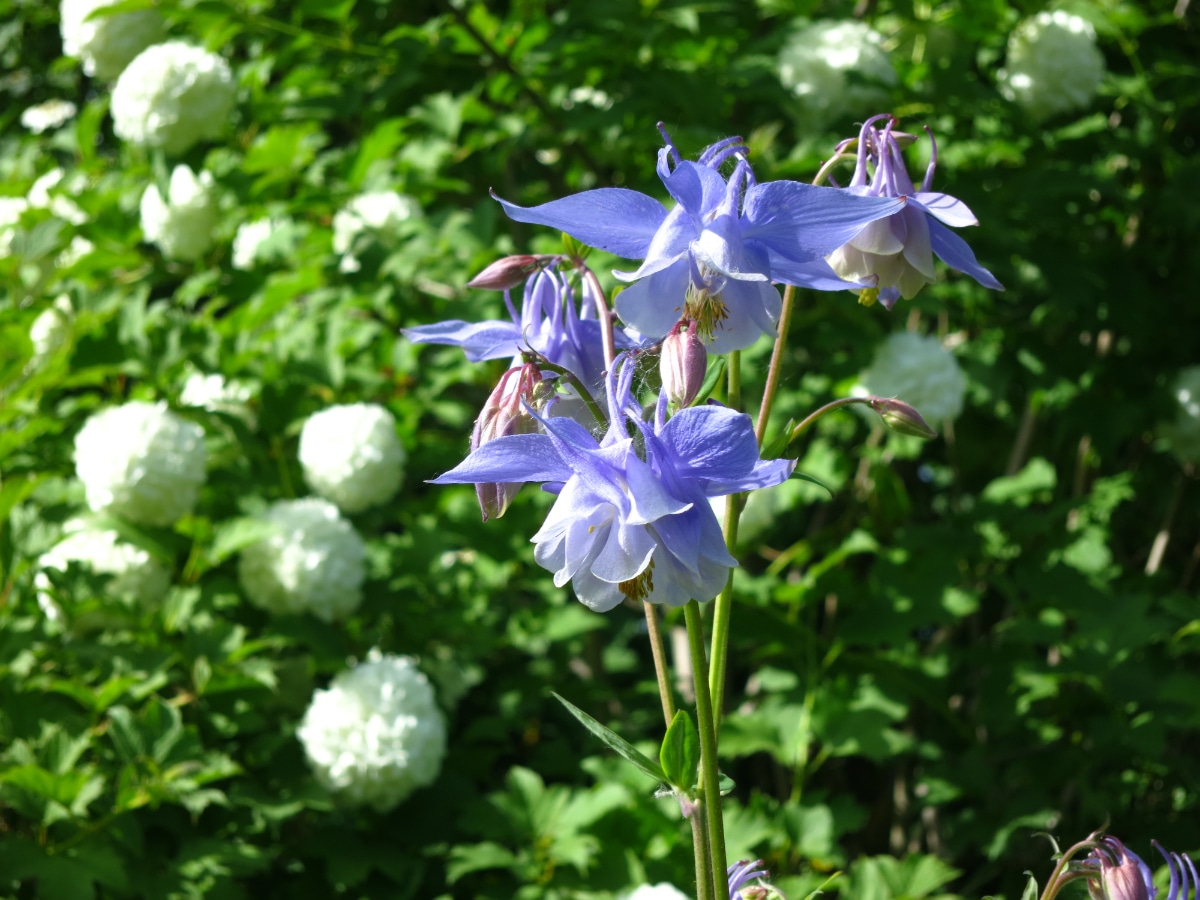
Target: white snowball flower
{"x":171,"y":96}
{"x":379,"y":211}
{"x":74,"y":252}
{"x":106,"y":44}
{"x":135,"y":574}
{"x":313,"y":561}
{"x":1053,"y":64}
{"x":817,"y":61}
{"x":51,"y":329}
{"x":376,"y":734}
{"x":46,"y":193}
{"x":351,"y":455}
{"x":141,"y":462}
{"x":53,"y":113}
{"x":182,"y":224}
{"x":246,"y":242}
{"x":11,"y":210}
{"x":661,"y":891}
{"x":920,"y":371}
{"x":214,"y":393}
{"x":1183,"y":434}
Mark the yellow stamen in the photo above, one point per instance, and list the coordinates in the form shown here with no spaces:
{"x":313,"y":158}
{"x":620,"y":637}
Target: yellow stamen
{"x":640,"y":586}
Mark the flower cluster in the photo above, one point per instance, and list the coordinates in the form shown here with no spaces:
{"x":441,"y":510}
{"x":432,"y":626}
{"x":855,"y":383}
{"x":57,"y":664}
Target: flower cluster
{"x":171,"y":96}
{"x":835,"y":65}
{"x":133,"y":573}
{"x":352,"y":456}
{"x":375,"y":734}
{"x":379,"y":212}
{"x":106,"y":44}
{"x":1114,"y":872}
{"x":181,"y":224}
{"x":141,"y":462}
{"x":52,"y":328}
{"x":920,"y":371}
{"x":312,"y":560}
{"x":1053,"y":64}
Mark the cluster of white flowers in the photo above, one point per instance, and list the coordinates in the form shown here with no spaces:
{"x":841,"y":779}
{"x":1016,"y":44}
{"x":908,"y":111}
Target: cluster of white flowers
{"x":182,"y":224}
{"x":351,"y":455}
{"x":313,"y":561}
{"x":835,"y":65}
{"x":379,"y":212}
{"x":376,"y":734}
{"x":253,"y":242}
{"x":51,"y":329}
{"x":661,"y":891}
{"x":171,"y":96}
{"x":1183,"y":434}
{"x":46,"y":116}
{"x":141,"y":462}
{"x":11,"y":210}
{"x":1053,"y":65}
{"x":135,"y":574}
{"x":920,"y":371}
{"x":48,"y":192}
{"x":106,"y":44}
{"x":214,"y":393}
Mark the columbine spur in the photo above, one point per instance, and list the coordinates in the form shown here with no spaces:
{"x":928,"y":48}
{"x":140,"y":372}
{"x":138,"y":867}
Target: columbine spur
{"x":1114,"y":872}
{"x":713,"y":257}
{"x":893,"y":255}
{"x":627,"y":525}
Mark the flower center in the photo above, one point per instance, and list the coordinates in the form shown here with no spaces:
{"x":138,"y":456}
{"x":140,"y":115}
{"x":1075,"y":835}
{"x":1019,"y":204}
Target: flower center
{"x":868,"y":296}
{"x":706,"y":309}
{"x":640,"y":586}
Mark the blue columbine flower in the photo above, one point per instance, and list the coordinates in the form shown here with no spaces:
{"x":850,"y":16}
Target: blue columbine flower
{"x":894,"y":255}
{"x":1117,"y":873}
{"x":630,"y":524}
{"x":742,"y":873}
{"x":712,"y":257}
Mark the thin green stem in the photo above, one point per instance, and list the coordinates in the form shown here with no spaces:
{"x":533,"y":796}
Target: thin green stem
{"x":567,"y":375}
{"x":704,"y":885}
{"x":734,"y":399}
{"x":722,"y":607}
{"x":710,"y":778}
{"x":828,"y":407}
{"x":768,"y":400}
{"x":660,"y":661}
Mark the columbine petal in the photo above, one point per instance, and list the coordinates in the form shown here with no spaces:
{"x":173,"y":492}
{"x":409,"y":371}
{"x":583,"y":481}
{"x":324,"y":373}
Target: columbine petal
{"x":642,"y":304}
{"x":948,"y":209}
{"x":618,"y":220}
{"x":517,"y":457}
{"x":479,"y":340}
{"x":954,"y":252}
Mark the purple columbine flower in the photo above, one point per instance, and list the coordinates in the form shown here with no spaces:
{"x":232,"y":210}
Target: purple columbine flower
{"x":550,"y":323}
{"x":1115,"y":872}
{"x":894,"y":255}
{"x":712,"y":257}
{"x":741,"y":873}
{"x":629,"y":524}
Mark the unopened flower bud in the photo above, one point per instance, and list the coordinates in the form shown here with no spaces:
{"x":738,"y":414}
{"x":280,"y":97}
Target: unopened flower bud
{"x":505,"y":413}
{"x":508,"y":272}
{"x":1122,"y":875}
{"x":683,"y":364}
{"x":900,"y":416}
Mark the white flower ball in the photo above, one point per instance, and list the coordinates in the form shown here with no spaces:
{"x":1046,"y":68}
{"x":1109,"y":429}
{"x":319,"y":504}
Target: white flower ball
{"x":1053,"y":64}
{"x":250,"y":235}
{"x":182,"y":224}
{"x":815,"y":62}
{"x":376,"y":734}
{"x":1183,"y":434}
{"x":11,"y":210}
{"x":214,"y":393}
{"x":312,"y":562}
{"x":171,"y":96}
{"x":106,"y":44}
{"x":380,"y":212}
{"x":920,"y":371}
{"x":48,"y":192}
{"x":141,"y":462}
{"x":45,"y":116}
{"x":661,"y":891}
{"x":351,"y":455}
{"x":51,"y":329}
{"x":136,"y":575}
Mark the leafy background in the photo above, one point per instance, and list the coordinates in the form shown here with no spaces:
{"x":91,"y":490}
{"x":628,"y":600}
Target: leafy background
{"x":960,"y":647}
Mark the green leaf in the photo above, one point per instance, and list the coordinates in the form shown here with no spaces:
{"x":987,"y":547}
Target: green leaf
{"x":680,"y":751}
{"x":125,"y":734}
{"x":614,"y":740}
{"x":1031,"y":888}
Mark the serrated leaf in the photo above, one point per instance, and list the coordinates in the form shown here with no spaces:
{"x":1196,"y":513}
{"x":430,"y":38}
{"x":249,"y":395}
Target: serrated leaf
{"x":614,"y":740}
{"x":125,"y":734}
{"x":680,"y":751}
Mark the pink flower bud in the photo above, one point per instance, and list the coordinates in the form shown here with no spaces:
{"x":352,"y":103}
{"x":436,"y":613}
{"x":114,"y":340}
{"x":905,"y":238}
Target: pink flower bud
{"x":899,"y":416}
{"x":1123,"y":875}
{"x":683,"y":364}
{"x":505,"y":414}
{"x":508,"y":272}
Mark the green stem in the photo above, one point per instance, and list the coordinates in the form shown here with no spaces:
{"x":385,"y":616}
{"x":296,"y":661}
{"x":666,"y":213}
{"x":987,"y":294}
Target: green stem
{"x":721,"y":612}
{"x":704,"y":885}
{"x":785,"y":319}
{"x":828,"y":407}
{"x":660,"y":661}
{"x":710,"y":778}
{"x":734,"y":399}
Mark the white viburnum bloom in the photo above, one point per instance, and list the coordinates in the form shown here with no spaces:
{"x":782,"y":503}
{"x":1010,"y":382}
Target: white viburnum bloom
{"x":106,"y":44}
{"x":74,"y":252}
{"x":52,"y":328}
{"x":661,"y":891}
{"x":141,"y":462}
{"x":835,"y":65}
{"x":920,"y":371}
{"x":46,"y":193}
{"x":351,"y":455}
{"x":1053,"y":64}
{"x":11,"y":210}
{"x":214,"y":393}
{"x":375,"y":734}
{"x":250,"y":235}
{"x":1183,"y":434}
{"x":380,"y":212}
{"x":173,"y":95}
{"x":312,"y":561}
{"x":45,"y":116}
{"x":182,"y":224}
{"x":135,"y":574}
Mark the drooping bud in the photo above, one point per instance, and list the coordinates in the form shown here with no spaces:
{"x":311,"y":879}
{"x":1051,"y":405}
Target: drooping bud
{"x":1122,"y":874}
{"x":900,"y":416}
{"x":508,"y":272}
{"x":505,"y":413}
{"x":683,"y":364}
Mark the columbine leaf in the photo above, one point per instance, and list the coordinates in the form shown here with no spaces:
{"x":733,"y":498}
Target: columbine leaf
{"x":614,"y":740}
{"x":680,"y":751}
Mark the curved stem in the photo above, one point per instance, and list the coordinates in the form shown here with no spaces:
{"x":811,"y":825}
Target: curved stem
{"x":828,"y":407}
{"x":710,"y":778}
{"x":605,"y":314}
{"x":660,"y":661}
{"x":785,"y":319}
